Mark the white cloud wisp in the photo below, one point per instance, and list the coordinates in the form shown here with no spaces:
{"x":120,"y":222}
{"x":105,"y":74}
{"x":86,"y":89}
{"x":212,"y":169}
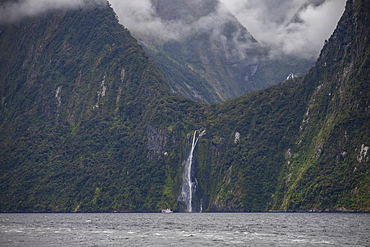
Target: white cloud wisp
{"x":274,"y":24}
{"x":14,"y":11}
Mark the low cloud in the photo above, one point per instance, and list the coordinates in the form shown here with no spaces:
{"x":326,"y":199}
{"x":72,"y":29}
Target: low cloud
{"x":139,"y":16}
{"x":177,"y":23}
{"x":14,"y":11}
{"x":289,"y":27}
{"x":286,"y":27}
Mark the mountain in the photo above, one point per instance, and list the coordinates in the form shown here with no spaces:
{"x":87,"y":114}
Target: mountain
{"x":87,"y":124}
{"x":305,"y":141}
{"x":74,"y":90}
{"x":214,"y":57}
{"x":331,"y":150}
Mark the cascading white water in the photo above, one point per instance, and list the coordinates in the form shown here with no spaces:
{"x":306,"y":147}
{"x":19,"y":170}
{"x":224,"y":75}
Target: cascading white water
{"x":187,"y":184}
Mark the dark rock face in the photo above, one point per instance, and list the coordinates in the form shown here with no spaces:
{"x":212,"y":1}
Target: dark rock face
{"x":157,"y":141}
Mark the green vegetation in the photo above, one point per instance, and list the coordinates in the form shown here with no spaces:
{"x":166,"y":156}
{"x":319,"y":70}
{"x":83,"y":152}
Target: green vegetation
{"x":88,"y":125}
{"x":75,"y":87}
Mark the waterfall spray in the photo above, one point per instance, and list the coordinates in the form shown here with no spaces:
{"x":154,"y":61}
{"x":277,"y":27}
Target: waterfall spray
{"x":187,"y":184}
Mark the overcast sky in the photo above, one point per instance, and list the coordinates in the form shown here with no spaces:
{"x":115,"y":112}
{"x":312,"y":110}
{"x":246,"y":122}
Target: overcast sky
{"x":268,"y":21}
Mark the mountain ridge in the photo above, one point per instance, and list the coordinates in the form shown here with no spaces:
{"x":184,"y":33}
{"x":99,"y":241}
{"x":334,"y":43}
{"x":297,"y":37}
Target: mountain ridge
{"x":87,"y":124}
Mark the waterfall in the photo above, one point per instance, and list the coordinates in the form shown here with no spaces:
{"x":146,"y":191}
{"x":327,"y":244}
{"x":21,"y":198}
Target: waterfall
{"x":187,"y":184}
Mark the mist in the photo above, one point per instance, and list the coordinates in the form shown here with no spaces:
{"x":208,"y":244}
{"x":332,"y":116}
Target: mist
{"x":14,"y":11}
{"x":290,"y":27}
{"x":139,"y":17}
{"x":208,"y":16}
{"x":286,"y":27}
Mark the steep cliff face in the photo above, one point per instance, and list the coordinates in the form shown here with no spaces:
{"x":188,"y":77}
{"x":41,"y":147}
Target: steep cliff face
{"x":157,"y":141}
{"x":334,"y":134}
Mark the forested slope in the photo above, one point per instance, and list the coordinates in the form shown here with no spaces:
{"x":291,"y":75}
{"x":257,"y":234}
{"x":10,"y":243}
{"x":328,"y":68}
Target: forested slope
{"x":329,"y":165}
{"x":75,"y":86}
{"x":323,"y":151}
{"x":301,"y":145}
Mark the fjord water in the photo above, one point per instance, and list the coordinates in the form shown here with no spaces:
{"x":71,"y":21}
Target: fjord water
{"x":184,"y":229}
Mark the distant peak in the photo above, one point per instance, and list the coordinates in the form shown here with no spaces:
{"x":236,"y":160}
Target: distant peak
{"x":188,"y":11}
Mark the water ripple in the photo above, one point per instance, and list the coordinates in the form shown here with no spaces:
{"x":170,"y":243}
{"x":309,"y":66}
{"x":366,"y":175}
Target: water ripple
{"x":206,"y":229}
